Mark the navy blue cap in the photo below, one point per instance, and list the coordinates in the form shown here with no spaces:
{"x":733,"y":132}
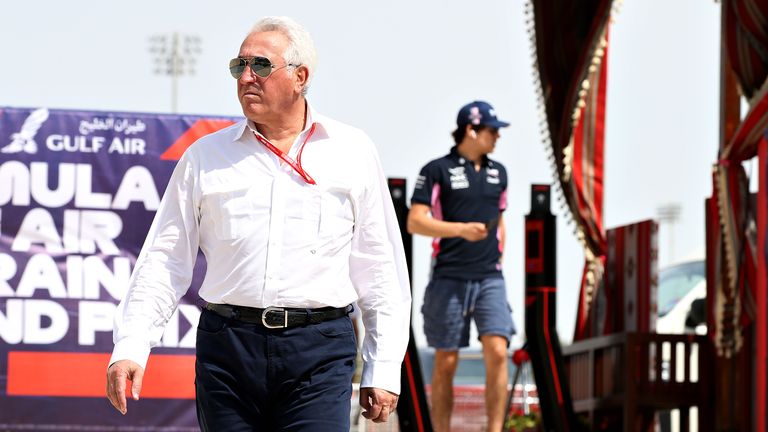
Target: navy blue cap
{"x":479,"y":113}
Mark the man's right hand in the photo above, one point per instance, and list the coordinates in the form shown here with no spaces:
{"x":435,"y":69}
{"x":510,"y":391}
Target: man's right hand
{"x":117,"y":374}
{"x":420,"y":222}
{"x":474,"y":231}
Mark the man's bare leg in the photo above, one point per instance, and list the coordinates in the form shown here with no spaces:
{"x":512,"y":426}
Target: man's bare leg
{"x":442,"y":389}
{"x":496,"y":380}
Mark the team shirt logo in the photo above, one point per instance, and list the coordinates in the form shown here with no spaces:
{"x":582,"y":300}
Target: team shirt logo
{"x":459,"y":178}
{"x":493,"y":175}
{"x":420,"y":181}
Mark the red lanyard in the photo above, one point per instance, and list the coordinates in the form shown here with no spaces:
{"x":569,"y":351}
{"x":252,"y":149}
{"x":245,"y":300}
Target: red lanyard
{"x":296,"y":165}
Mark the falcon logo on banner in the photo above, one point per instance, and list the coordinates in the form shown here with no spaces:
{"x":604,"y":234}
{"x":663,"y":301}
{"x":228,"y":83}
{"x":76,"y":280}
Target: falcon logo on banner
{"x":24,"y":140}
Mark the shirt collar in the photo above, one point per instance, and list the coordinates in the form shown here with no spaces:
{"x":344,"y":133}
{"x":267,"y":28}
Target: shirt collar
{"x":312,"y":117}
{"x":454,"y":154}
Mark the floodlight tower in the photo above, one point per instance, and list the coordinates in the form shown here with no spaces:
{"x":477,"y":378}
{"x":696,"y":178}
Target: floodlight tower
{"x":174,"y":55}
{"x":669,"y":214}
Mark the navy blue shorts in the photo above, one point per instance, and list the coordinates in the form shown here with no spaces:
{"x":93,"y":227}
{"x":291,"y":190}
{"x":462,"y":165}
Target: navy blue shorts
{"x":450,"y":305}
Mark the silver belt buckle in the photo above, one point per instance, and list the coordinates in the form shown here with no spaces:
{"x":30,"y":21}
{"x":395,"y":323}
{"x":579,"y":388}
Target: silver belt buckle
{"x":274,"y":309}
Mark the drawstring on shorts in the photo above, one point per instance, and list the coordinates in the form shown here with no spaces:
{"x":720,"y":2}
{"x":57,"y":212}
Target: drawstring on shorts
{"x":471,"y":292}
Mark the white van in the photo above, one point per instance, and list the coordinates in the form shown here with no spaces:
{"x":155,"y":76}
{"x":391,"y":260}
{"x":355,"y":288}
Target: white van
{"x":681,"y":298}
{"x":681,"y":301}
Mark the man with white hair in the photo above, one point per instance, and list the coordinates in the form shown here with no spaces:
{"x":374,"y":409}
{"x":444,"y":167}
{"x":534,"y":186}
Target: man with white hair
{"x":292,"y":212}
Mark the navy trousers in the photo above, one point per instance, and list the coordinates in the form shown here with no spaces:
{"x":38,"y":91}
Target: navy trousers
{"x":249,"y":378}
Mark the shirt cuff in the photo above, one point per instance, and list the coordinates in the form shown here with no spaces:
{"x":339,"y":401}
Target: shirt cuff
{"x":133,"y":349}
{"x":382,"y":375}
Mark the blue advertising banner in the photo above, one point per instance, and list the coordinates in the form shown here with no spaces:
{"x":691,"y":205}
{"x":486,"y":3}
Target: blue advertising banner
{"x":78,"y":191}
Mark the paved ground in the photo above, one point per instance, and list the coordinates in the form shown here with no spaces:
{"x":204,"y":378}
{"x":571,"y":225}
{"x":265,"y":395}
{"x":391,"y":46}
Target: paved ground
{"x":468,"y":411}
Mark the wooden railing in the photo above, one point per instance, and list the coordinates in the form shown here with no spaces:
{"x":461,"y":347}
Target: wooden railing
{"x":630,"y":376}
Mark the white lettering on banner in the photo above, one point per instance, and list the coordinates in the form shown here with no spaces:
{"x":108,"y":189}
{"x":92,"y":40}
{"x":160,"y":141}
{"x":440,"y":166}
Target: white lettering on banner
{"x":34,"y":332}
{"x":74,"y":183}
{"x":99,"y":228}
{"x":66,"y":247}
{"x":83,"y":230}
{"x":14,"y":183}
{"x":171,"y":335}
{"x":96,"y":273}
{"x":94,"y":144}
{"x":94,"y":316}
{"x":43,"y":321}
{"x":37,"y":227}
{"x":11,"y":322}
{"x":84,"y":195}
{"x":42,"y":273}
{"x":7,"y":271}
{"x":110,"y":123}
{"x":77,"y":143}
{"x":23,"y":322}
{"x":65,"y":186}
{"x":127,"y":146}
{"x":70,"y":231}
{"x":75,"y":276}
{"x":85,"y":277}
{"x":138,"y":185}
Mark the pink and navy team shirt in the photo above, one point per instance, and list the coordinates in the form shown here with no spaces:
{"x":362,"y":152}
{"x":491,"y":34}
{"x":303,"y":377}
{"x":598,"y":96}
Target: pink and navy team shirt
{"x":456,"y":192}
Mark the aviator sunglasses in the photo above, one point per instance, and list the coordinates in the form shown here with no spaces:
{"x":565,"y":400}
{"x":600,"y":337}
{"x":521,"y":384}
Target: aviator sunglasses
{"x":261,"y":66}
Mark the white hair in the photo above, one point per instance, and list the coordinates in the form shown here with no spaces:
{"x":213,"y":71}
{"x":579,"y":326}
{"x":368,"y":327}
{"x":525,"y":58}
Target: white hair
{"x":301,"y":48}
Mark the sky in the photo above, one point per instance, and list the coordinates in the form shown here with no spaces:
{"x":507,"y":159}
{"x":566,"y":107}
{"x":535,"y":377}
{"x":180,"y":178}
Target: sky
{"x":400,"y":70}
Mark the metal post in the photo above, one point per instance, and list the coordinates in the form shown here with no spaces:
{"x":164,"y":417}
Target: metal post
{"x":412,"y":408}
{"x":542,"y":341}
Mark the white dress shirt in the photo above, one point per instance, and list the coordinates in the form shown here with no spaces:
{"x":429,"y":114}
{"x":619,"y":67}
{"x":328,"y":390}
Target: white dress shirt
{"x":272,"y":239}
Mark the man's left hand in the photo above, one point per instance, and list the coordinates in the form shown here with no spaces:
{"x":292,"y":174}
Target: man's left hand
{"x":377,"y":403}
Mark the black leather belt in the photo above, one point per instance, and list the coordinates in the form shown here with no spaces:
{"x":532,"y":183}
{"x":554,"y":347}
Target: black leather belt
{"x":278,"y":317}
